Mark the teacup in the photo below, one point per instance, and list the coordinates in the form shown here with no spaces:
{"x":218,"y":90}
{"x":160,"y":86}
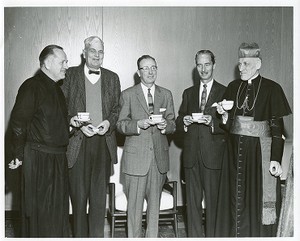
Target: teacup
{"x":156,"y":118}
{"x":83,"y":116}
{"x":197,"y":116}
{"x":227,"y":104}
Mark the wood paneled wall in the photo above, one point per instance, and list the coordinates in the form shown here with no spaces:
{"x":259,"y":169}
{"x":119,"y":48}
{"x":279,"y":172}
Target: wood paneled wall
{"x":171,"y":34}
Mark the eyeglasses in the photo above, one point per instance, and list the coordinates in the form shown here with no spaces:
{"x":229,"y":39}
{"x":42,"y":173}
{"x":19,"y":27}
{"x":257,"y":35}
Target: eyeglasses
{"x":94,"y":51}
{"x":147,"y":69}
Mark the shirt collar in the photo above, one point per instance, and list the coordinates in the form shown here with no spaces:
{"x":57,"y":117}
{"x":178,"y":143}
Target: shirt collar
{"x":145,"y":91}
{"x":209,"y":84}
{"x":145,"y":88}
{"x":93,"y":78}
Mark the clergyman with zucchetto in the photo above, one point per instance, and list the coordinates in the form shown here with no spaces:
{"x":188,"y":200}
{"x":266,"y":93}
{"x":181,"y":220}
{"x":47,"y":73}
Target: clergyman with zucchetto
{"x":250,"y":197}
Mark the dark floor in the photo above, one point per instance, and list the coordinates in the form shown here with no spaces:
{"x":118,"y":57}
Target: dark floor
{"x":13,"y":226}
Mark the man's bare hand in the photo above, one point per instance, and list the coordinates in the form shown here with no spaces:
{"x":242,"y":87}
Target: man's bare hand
{"x":103,"y":127}
{"x":275,"y":168}
{"x":75,"y":122}
{"x":14,"y":164}
{"x":187,"y":120}
{"x":162,"y":125}
{"x":144,"y":124}
{"x":88,"y":130}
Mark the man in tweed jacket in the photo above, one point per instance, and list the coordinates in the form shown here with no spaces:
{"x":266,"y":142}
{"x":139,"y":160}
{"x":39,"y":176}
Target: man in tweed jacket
{"x":145,"y":159}
{"x":93,"y":148}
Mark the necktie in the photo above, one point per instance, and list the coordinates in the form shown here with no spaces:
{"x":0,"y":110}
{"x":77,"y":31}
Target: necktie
{"x":94,"y":72}
{"x":203,"y":98}
{"x":150,"y":102}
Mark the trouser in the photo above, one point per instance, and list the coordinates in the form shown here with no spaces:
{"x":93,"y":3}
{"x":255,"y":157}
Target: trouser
{"x":88,"y":182}
{"x":138,"y":188}
{"x":201,"y":180}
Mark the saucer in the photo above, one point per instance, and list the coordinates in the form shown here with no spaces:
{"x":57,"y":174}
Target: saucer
{"x":201,"y":118}
{"x":157,"y":121}
{"x":82,"y":119}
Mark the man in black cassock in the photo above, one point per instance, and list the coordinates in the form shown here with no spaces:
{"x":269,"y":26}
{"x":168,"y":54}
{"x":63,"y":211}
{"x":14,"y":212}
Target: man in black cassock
{"x":250,"y":199}
{"x":40,"y":134}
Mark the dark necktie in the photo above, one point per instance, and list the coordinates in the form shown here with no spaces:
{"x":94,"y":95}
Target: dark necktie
{"x":150,"y":102}
{"x":203,"y":98}
{"x":94,"y":72}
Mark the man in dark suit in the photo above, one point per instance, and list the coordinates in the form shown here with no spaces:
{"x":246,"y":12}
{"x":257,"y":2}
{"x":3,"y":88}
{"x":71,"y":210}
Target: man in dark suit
{"x":204,"y":145}
{"x":93,"y":147}
{"x":145,"y":159}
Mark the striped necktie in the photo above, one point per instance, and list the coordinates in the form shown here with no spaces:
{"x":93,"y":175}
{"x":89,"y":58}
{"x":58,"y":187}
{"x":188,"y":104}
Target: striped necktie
{"x":203,"y":98}
{"x":150,"y":102}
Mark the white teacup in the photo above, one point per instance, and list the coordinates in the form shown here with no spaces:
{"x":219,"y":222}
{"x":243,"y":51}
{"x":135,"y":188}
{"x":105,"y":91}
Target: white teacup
{"x":156,"y":118}
{"x":227,"y":104}
{"x":83,"y":116}
{"x":197,"y":116}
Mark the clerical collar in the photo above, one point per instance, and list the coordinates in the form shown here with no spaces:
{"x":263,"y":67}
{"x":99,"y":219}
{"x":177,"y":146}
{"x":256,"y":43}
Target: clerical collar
{"x":252,"y":78}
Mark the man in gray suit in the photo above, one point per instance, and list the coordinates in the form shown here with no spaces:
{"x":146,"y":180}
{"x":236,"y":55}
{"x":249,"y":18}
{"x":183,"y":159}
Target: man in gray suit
{"x":203,"y":146}
{"x":93,"y":147}
{"x":145,"y":159}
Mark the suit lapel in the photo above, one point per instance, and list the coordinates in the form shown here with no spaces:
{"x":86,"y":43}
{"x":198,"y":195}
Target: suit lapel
{"x":158,"y":99}
{"x":195,"y":98}
{"x":141,"y":97}
{"x":212,"y":95}
{"x":104,"y":92}
{"x":81,"y":101}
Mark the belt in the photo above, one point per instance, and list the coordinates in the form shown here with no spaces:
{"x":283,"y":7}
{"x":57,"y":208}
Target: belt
{"x":47,"y":149}
{"x":244,"y":125}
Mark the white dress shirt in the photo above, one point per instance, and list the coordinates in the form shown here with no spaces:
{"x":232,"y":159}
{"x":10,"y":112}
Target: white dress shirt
{"x":145,"y":91}
{"x":208,"y":89}
{"x":93,"y":78}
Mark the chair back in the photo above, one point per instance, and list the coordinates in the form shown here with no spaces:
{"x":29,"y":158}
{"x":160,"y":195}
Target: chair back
{"x":118,"y":177}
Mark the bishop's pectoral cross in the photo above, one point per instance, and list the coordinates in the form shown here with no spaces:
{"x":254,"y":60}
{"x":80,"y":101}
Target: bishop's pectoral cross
{"x":245,"y":104}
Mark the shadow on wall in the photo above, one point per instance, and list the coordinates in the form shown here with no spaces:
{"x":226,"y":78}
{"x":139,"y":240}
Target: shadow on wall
{"x":136,"y":78}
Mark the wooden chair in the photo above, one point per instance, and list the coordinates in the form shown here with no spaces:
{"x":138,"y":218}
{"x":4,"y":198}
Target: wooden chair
{"x":117,"y":202}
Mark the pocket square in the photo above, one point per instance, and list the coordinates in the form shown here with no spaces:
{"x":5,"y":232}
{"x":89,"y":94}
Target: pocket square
{"x":162,"y":109}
